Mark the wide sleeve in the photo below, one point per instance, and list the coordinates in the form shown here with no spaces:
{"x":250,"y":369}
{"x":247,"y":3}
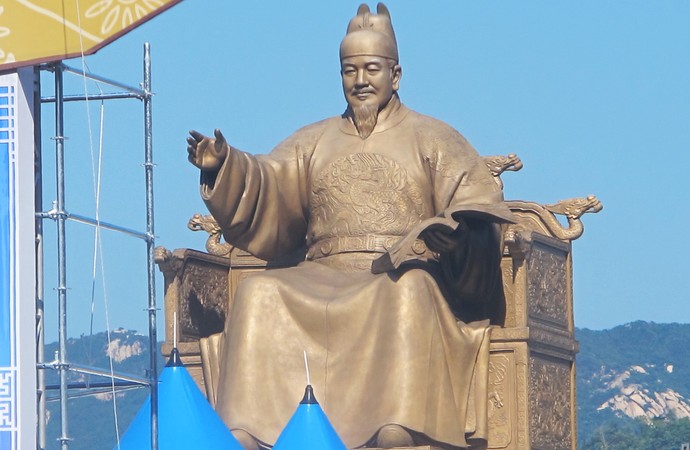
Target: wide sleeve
{"x":260,"y":201}
{"x":472,"y":269}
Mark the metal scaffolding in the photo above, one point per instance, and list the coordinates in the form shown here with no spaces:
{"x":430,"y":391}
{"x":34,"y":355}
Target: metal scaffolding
{"x":60,"y":215}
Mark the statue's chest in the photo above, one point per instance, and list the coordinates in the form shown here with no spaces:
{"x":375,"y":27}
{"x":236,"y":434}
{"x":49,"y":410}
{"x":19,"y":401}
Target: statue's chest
{"x":365,"y":193}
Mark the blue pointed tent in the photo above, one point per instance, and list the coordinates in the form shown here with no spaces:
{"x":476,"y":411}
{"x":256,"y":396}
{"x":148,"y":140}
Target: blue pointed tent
{"x":185,"y":418}
{"x":309,"y":428}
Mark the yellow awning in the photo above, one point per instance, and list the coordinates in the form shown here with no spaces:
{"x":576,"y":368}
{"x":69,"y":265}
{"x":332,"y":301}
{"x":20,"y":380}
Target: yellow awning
{"x":36,"y":31}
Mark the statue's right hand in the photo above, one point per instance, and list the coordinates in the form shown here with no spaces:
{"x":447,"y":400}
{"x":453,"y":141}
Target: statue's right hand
{"x":207,"y":153}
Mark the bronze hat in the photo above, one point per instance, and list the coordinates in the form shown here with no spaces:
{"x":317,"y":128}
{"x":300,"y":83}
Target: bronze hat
{"x":370,"y":35}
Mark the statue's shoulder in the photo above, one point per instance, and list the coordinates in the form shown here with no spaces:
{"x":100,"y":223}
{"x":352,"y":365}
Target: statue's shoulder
{"x":445,"y":150}
{"x":304,"y":140}
{"x":310,"y":134}
{"x":317,"y":128}
{"x":435,"y":133}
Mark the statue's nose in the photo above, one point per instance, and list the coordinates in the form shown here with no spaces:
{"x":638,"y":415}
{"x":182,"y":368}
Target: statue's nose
{"x":361,"y":78}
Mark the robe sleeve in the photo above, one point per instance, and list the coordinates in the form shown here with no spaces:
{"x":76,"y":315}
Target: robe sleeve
{"x":472,"y":269}
{"x":260,"y":201}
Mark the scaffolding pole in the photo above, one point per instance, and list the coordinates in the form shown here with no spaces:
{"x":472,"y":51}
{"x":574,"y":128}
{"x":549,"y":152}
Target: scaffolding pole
{"x":40,"y":290}
{"x":150,"y":245}
{"x":62,"y":365}
{"x":60,"y":216}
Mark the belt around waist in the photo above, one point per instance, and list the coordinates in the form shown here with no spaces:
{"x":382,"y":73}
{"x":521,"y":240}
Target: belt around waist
{"x":367,"y":243}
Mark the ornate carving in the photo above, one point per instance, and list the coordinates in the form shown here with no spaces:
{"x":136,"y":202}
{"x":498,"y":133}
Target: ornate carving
{"x":552,"y":341}
{"x":510,"y":334}
{"x":550,"y":405}
{"x":498,"y":164}
{"x":522,"y":411}
{"x":205,"y":286}
{"x":572,"y":208}
{"x":167,"y":262}
{"x":519,"y":242}
{"x":501,"y":387}
{"x":547,"y":284}
{"x":209,"y":225}
{"x":508,"y":275}
{"x":364,"y":193}
{"x":517,"y":308}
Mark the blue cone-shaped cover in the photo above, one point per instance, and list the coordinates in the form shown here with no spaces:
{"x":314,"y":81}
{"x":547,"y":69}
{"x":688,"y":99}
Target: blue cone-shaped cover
{"x":185,"y":418}
{"x":309,"y":429}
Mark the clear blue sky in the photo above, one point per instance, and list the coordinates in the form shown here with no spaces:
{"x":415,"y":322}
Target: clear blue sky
{"x":593,"y":96}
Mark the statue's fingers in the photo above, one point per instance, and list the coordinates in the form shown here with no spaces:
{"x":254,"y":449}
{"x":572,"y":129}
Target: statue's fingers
{"x":446,"y":240}
{"x":431,"y":239}
{"x":219,"y":136}
{"x":196,"y":135}
{"x":440,"y":239}
{"x":192,"y":142}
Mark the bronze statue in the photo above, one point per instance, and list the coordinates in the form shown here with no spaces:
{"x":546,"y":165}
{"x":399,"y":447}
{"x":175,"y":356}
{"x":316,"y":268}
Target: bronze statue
{"x":397,"y":358}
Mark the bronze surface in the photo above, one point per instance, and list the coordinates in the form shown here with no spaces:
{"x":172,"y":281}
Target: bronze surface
{"x":407,"y":346}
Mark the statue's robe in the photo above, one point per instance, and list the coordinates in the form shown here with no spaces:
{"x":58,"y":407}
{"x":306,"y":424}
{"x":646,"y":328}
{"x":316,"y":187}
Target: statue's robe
{"x":383,"y":348}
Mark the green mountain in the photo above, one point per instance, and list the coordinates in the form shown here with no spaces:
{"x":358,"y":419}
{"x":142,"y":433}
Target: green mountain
{"x":93,"y":418}
{"x":633,"y":386}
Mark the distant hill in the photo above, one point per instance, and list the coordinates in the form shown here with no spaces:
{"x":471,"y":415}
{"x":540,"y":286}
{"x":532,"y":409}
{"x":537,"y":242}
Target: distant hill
{"x":91,"y":419}
{"x":632,"y":380}
{"x":633,"y":387}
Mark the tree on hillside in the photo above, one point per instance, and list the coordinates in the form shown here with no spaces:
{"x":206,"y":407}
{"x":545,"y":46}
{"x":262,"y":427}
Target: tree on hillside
{"x":640,"y":435}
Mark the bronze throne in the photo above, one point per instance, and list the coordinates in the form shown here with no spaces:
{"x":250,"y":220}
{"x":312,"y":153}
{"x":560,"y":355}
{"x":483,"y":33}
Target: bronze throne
{"x":532,"y":402}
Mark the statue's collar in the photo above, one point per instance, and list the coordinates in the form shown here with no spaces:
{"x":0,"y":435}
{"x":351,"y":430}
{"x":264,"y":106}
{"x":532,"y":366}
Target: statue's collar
{"x":396,"y":115}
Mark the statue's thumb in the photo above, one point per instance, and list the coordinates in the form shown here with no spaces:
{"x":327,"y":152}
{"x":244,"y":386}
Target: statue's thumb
{"x":219,"y":135}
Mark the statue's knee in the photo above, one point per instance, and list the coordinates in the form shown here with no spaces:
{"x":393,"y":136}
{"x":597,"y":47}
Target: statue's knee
{"x":255,"y":288}
{"x":415,"y":278}
{"x":246,"y":440}
{"x":392,"y":436}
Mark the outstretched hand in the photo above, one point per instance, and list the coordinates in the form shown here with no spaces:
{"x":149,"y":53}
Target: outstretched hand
{"x":207,"y":153}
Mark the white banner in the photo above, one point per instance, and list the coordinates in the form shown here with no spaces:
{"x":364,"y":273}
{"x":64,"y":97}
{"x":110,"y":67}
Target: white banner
{"x":17,"y":263}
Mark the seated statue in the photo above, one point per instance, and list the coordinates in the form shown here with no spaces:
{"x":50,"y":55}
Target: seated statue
{"x":398,"y":354}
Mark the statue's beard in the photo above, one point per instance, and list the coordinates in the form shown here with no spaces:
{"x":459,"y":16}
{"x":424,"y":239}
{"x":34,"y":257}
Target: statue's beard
{"x":365,"y":117}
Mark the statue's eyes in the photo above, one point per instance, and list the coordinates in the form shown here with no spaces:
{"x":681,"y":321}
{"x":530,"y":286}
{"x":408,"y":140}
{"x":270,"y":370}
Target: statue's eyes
{"x":374,"y":68}
{"x":349,"y":71}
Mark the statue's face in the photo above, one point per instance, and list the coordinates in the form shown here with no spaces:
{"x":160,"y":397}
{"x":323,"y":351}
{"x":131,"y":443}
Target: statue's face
{"x":369,"y":80}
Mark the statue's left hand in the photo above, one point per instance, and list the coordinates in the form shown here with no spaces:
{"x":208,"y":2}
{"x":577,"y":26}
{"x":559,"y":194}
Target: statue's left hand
{"x":444,"y":240}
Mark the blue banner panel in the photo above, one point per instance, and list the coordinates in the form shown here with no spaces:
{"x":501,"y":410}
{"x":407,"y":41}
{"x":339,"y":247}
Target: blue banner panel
{"x":5,"y":311}
{"x":8,"y":372}
{"x":5,"y":440}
